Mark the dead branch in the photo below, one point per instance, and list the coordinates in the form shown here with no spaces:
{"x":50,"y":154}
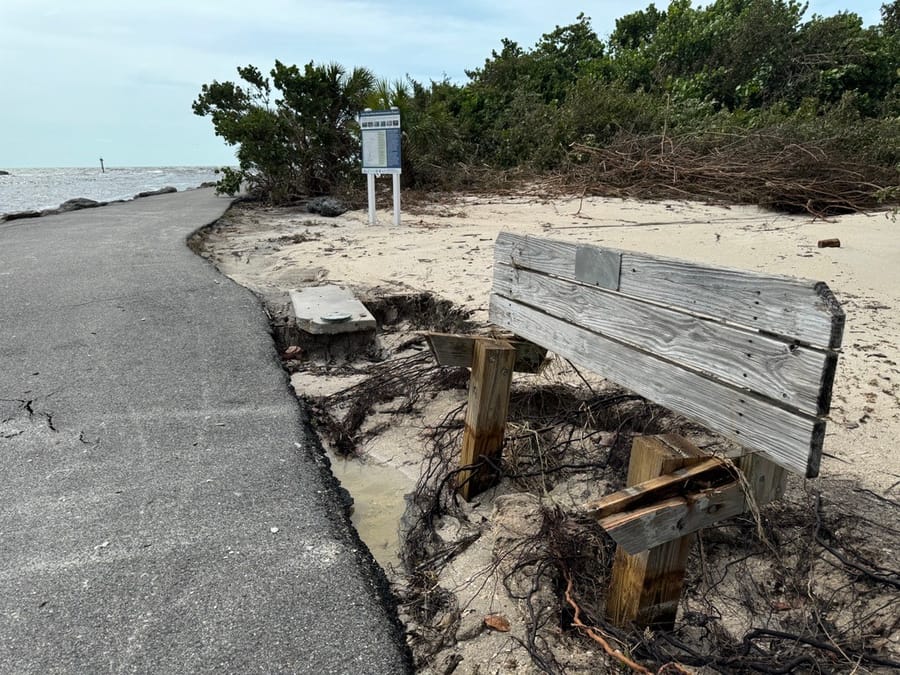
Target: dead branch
{"x":597,"y":637}
{"x":759,"y":168}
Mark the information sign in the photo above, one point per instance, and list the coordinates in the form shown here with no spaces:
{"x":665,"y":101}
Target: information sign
{"x":380,"y":141}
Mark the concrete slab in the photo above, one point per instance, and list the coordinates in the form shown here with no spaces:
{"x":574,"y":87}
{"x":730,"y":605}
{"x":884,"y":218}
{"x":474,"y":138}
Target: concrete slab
{"x":330,"y":310}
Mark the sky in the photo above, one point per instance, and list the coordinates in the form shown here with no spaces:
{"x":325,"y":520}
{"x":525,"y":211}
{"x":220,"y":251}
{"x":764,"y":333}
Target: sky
{"x":85,"y":79}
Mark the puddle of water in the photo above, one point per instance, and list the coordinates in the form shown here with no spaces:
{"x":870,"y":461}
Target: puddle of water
{"x":377,"y":487}
{"x":377,"y":491}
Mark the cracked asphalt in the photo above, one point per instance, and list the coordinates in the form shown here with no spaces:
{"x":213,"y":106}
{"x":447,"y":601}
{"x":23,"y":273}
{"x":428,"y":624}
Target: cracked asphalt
{"x":164,"y":507}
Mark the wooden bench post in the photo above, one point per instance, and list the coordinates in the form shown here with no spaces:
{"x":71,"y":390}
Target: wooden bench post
{"x":492,"y":361}
{"x":645,"y":588}
{"x":489,"y":383}
{"x":766,"y":480}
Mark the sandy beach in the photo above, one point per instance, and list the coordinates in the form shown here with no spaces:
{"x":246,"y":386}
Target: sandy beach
{"x":445,"y":247}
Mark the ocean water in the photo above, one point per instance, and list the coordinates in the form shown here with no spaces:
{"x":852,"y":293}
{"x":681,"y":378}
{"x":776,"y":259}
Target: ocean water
{"x":37,"y":189}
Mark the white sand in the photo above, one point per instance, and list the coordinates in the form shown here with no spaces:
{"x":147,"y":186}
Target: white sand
{"x":447,"y":249}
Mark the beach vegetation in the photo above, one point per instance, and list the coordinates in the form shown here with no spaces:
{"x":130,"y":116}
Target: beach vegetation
{"x":756,"y":90}
{"x":294,"y":130}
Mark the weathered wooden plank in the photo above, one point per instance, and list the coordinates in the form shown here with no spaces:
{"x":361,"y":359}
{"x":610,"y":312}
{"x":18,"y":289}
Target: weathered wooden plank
{"x":789,"y":374}
{"x":492,"y":368}
{"x":641,"y":529}
{"x":645,"y":588}
{"x":452,"y":350}
{"x":652,"y":490}
{"x":791,"y":440}
{"x":797,"y":309}
{"x":459,"y":350}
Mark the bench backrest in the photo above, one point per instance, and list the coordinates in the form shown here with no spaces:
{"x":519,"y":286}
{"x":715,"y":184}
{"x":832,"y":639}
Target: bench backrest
{"x":750,"y":356}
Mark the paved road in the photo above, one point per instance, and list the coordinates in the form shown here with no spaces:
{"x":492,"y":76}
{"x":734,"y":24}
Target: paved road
{"x":162,"y":508}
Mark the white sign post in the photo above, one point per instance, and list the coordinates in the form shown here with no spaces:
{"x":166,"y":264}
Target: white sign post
{"x":381,"y":153}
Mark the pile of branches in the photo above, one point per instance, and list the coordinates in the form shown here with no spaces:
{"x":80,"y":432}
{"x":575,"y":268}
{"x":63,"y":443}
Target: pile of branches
{"x":554,"y":434}
{"x":815,"y":593}
{"x":403,"y":381}
{"x":753,"y":168}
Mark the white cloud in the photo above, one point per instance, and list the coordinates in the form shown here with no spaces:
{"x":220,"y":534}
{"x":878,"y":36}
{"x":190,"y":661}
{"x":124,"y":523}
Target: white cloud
{"x":127,"y":71}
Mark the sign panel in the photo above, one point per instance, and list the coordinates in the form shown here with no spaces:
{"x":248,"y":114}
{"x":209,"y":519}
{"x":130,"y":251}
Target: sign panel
{"x":380,"y":141}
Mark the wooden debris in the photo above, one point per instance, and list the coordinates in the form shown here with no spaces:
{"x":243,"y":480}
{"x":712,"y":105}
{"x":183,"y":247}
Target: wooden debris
{"x":458,"y":350}
{"x":649,"y":492}
{"x":644,"y":528}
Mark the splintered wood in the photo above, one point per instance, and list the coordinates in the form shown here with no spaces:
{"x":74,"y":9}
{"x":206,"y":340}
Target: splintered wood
{"x":645,"y":587}
{"x":654,"y":519}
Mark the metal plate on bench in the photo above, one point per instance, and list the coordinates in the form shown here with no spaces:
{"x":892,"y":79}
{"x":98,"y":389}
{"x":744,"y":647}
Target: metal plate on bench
{"x":598,"y":267}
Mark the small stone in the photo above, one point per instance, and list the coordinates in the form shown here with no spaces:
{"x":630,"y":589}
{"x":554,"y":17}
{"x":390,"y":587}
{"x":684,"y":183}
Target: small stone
{"x":153,"y":193}
{"x":18,"y":215}
{"x":77,"y":204}
{"x":326,"y":206}
{"x":470,"y":627}
{"x":292,"y":352}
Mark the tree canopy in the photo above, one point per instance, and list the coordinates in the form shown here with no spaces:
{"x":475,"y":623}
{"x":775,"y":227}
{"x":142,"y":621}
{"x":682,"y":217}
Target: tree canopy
{"x":684,"y":71}
{"x":302,"y":142}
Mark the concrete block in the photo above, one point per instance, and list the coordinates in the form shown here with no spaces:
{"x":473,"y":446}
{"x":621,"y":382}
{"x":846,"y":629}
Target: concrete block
{"x":329,"y":310}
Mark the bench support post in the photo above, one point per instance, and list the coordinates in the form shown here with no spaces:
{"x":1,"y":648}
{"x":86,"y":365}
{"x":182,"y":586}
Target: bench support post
{"x":489,"y":383}
{"x":766,"y":480}
{"x":645,"y":588}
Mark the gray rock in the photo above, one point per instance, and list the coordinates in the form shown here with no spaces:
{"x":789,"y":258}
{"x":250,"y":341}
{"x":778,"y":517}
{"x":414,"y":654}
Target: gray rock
{"x":326,"y":206}
{"x":447,"y":663}
{"x":18,"y":215}
{"x":471,"y":625}
{"x":4,"y":173}
{"x":78,"y":203}
{"x":153,"y":193}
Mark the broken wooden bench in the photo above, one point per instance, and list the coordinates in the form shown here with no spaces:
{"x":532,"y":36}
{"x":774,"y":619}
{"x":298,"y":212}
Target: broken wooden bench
{"x":750,"y":356}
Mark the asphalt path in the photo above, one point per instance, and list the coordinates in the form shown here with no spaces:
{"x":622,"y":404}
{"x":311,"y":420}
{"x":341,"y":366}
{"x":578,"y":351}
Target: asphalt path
{"x":163,"y":506}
